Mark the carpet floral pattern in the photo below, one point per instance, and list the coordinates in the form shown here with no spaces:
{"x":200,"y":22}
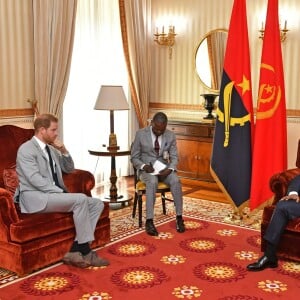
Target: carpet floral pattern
{"x":201,"y":209}
{"x":206,"y":262}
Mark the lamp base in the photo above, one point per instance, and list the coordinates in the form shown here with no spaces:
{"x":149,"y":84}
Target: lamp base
{"x":113,"y":148}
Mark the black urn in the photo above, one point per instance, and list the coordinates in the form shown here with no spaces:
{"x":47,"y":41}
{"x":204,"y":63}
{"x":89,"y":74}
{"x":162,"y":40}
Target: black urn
{"x":209,"y":104}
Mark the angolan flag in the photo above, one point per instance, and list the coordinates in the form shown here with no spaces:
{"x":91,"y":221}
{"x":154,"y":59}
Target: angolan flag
{"x":231,"y":159}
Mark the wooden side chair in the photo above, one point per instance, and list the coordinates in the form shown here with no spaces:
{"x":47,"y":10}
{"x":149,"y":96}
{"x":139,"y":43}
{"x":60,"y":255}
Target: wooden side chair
{"x":140,"y":190}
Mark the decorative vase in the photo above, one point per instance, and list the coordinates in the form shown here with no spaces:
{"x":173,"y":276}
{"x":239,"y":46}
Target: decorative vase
{"x":209,"y":104}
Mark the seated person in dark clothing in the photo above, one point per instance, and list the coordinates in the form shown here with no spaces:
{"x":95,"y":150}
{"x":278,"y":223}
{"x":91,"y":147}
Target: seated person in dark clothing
{"x":288,"y":208}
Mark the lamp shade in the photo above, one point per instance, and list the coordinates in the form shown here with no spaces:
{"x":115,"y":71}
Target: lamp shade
{"x":111,"y":97}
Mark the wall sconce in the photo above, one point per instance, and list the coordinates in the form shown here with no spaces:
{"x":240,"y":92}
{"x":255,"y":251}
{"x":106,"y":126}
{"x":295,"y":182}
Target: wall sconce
{"x":283,"y":31}
{"x":165,"y":39}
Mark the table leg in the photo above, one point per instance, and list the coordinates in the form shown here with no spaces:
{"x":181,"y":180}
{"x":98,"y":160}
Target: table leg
{"x":113,"y":191}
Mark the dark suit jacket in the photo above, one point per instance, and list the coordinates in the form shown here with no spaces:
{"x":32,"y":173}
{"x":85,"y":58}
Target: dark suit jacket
{"x":294,"y":185}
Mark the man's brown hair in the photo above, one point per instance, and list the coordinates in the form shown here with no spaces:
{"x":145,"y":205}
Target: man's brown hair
{"x":44,"y":120}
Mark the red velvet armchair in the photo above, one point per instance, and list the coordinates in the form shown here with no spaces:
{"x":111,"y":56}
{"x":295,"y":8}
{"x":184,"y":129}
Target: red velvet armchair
{"x":289,"y":245}
{"x":29,"y":242}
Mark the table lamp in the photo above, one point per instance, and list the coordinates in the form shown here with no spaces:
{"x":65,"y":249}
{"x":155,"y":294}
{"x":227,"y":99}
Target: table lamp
{"x":111,"y":97}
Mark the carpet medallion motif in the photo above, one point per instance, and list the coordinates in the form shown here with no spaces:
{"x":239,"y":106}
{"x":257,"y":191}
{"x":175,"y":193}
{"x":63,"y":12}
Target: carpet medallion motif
{"x":207,"y":262}
{"x":289,"y":268}
{"x":187,"y":292}
{"x":272,"y":286}
{"x":202,"y":245}
{"x":220,"y":272}
{"x":139,"y":277}
{"x":246,"y":255}
{"x":134,"y":248}
{"x":254,"y":240}
{"x":51,"y":283}
{"x":96,"y":296}
{"x":173,"y":259}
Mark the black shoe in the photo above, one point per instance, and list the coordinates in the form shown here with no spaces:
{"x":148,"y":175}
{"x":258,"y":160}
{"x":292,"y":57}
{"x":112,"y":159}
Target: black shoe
{"x":263,"y":263}
{"x":150,"y":228}
{"x":180,"y":224}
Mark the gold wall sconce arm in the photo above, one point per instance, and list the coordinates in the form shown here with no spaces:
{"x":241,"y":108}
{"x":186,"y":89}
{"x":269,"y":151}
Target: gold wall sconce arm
{"x":283,"y":32}
{"x":166,"y":39}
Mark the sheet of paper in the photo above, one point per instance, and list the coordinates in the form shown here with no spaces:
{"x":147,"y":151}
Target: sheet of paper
{"x":158,"y":166}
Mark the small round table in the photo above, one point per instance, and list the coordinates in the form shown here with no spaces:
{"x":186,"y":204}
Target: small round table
{"x":113,"y":196}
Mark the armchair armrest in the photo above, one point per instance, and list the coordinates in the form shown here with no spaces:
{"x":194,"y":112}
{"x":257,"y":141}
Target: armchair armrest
{"x":279,"y":183}
{"x":79,"y":181}
{"x":8,"y":213}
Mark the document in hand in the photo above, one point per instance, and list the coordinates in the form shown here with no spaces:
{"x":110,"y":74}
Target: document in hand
{"x":158,"y":166}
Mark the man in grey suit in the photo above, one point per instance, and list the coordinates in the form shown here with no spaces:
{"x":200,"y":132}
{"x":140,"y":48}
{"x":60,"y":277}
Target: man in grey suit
{"x":40,"y":162}
{"x":151,"y":144}
{"x":288,"y":208}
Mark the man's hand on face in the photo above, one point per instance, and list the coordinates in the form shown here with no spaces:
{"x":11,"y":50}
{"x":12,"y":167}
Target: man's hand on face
{"x":59,"y":146}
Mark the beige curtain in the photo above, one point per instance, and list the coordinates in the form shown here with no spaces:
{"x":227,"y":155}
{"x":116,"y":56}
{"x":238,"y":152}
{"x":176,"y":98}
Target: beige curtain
{"x":216,"y":44}
{"x":54,"y":23}
{"x":97,"y":59}
{"x":212,"y":63}
{"x":135,"y":19}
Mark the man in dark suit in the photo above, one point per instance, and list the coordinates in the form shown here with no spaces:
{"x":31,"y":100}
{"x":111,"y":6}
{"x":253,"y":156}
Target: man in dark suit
{"x":153,"y":144}
{"x":40,"y":163}
{"x":288,"y":208}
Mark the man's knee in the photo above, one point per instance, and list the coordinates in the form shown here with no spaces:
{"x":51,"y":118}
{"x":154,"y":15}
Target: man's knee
{"x":283,"y":205}
{"x":174,"y":179}
{"x":151,"y":181}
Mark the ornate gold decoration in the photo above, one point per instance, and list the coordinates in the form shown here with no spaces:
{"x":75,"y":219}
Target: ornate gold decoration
{"x":166,"y":39}
{"x":283,"y":31}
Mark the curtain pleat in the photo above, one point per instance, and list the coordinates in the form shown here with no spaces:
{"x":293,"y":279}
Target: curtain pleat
{"x":135,"y":22}
{"x":54,"y":25}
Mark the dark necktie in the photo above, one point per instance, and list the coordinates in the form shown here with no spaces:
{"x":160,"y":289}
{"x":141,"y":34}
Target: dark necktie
{"x":54,"y":175}
{"x":156,"y":145}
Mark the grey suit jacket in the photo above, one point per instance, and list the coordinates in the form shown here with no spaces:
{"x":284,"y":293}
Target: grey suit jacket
{"x":35,"y":177}
{"x":142,"y":150}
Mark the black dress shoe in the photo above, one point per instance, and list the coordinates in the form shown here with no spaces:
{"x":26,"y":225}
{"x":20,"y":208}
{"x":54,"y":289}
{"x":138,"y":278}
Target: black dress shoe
{"x":180,"y":227}
{"x":150,"y":228}
{"x":263,"y":263}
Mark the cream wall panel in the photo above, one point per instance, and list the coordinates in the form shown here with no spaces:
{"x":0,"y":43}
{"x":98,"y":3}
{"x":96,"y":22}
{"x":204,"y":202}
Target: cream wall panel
{"x":16,"y":53}
{"x":172,"y":80}
{"x":293,"y":129}
{"x":175,"y":81}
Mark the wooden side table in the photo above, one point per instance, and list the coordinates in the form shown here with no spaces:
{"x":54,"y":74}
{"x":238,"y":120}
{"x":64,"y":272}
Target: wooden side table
{"x":113,"y":196}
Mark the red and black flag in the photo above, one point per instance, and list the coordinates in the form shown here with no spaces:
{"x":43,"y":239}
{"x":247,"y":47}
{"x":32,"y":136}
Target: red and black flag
{"x":270,"y":143}
{"x":232,"y":147}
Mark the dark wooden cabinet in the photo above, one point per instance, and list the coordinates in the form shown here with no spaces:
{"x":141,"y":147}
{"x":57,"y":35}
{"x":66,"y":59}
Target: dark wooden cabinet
{"x":194,"y":142}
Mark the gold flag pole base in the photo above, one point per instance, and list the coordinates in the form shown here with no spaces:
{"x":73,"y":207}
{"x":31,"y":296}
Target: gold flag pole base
{"x":244,"y":218}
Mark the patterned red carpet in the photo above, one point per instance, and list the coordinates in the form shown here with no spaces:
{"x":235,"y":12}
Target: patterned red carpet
{"x":207,"y":262}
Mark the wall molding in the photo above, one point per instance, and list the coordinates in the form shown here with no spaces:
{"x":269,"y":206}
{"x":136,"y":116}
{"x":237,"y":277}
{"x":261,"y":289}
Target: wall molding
{"x":197,"y":112}
{"x":16,"y":112}
{"x":19,"y":117}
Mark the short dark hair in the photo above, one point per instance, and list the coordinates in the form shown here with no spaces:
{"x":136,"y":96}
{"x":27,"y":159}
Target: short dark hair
{"x":44,"y":120}
{"x":160,"y":117}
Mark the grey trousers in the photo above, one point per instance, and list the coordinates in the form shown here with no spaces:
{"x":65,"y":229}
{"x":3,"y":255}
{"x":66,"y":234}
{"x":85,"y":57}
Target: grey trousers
{"x":151,"y":182}
{"x":86,"y":211}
